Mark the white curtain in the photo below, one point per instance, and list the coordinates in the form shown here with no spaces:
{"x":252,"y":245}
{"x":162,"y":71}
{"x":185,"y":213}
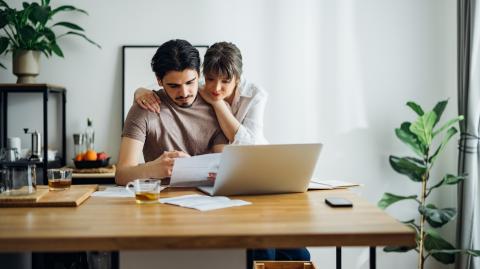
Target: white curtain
{"x":468,"y":230}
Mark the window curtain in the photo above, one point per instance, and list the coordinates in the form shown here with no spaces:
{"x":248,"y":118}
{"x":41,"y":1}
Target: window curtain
{"x":468,"y":226}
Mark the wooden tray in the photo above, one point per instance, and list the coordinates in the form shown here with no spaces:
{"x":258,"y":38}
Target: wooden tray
{"x":72,"y":197}
{"x":24,"y":199}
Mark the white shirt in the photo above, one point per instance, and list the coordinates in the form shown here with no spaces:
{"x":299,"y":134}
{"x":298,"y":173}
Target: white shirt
{"x":248,"y":107}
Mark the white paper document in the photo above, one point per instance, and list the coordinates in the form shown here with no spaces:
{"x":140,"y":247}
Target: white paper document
{"x":113,"y":192}
{"x":203,"y":202}
{"x":193,"y":171}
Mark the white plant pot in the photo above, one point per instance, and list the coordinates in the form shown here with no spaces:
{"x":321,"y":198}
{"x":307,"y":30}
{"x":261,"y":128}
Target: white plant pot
{"x":26,"y":65}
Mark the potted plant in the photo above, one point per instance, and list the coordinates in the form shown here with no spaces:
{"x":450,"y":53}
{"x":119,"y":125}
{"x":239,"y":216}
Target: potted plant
{"x":26,"y":34}
{"x":420,"y":136}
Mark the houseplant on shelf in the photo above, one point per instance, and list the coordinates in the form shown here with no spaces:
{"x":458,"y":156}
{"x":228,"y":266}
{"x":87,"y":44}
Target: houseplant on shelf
{"x":420,"y":136}
{"x":26,"y":34}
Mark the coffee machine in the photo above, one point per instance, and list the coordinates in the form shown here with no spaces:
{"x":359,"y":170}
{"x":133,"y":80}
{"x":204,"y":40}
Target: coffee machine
{"x":36,"y":154}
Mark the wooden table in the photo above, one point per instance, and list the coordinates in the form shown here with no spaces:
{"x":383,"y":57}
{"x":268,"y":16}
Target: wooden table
{"x":283,"y":220}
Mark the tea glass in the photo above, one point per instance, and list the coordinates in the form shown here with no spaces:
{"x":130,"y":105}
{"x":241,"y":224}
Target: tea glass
{"x":59,"y":179}
{"x":147,"y":191}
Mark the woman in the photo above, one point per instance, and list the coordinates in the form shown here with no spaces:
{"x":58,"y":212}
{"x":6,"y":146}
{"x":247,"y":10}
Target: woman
{"x":238,"y":104}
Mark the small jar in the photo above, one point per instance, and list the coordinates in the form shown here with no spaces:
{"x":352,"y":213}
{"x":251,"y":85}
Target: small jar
{"x":78,"y":146}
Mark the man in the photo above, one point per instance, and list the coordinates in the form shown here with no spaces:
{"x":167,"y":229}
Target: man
{"x":186,"y":124}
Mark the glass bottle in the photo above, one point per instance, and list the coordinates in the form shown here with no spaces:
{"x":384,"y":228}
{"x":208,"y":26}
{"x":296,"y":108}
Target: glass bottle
{"x":90,"y":135}
{"x":78,"y":146}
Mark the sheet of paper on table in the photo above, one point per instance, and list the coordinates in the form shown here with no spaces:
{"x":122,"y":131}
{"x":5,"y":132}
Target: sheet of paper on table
{"x":203,"y":202}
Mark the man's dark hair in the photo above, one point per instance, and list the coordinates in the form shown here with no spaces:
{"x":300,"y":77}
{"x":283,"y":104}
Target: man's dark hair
{"x":223,"y":58}
{"x":175,"y":55}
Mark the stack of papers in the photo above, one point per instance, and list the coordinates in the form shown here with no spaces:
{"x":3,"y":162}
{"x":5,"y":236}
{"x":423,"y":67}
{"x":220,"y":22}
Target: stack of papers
{"x":203,"y":202}
{"x":113,"y":192}
{"x":317,"y":184}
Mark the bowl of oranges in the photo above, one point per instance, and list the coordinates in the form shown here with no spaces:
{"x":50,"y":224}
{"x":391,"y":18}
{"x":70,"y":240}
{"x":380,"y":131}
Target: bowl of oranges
{"x":91,"y":159}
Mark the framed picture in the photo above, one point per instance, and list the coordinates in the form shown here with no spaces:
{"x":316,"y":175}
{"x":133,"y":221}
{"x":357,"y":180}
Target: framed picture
{"x":137,"y":71}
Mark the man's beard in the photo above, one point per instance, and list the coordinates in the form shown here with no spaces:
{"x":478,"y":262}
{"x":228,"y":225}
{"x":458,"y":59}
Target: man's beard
{"x":184,"y":105}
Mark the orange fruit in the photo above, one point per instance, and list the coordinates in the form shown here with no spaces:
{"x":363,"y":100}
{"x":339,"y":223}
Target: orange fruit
{"x":91,"y":155}
{"x":79,"y":157}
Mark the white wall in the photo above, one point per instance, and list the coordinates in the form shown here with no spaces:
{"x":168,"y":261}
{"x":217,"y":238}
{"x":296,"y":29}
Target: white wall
{"x":338,"y":72}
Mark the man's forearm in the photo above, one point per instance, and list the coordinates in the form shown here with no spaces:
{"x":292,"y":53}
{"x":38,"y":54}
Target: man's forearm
{"x":125,"y":174}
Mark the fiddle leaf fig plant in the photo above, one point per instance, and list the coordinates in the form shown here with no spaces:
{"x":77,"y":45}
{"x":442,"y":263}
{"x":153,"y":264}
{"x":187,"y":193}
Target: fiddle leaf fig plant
{"x":31,"y":28}
{"x":427,"y":142}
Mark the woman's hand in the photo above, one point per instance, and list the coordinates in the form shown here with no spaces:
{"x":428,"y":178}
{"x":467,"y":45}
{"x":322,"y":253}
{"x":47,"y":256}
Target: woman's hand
{"x":163,"y":165}
{"x":147,"y":99}
{"x":208,"y":98}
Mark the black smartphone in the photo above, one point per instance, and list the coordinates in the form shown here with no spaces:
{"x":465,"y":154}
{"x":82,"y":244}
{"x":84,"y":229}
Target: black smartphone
{"x":338,"y":202}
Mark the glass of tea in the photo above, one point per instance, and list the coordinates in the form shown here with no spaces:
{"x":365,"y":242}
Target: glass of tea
{"x":59,"y":179}
{"x":147,"y":191}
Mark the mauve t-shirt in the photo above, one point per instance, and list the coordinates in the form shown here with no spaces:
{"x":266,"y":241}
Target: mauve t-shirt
{"x":193,"y":129}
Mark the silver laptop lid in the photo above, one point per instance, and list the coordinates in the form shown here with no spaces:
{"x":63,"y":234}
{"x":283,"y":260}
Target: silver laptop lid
{"x":261,"y":169}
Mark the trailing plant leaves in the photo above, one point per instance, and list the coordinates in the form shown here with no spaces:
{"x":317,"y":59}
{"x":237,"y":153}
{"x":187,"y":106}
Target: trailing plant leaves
{"x":433,"y":241}
{"x":423,"y":126}
{"x":3,"y":44}
{"x":49,"y":34}
{"x":437,"y":217}
{"x":415,"y":107}
{"x":3,"y":4}
{"x":409,"y":167}
{"x":439,"y":108}
{"x":452,"y":131}
{"x":84,"y":37}
{"x":390,"y":198}
{"x":68,"y":25}
{"x":412,"y":224}
{"x":448,"y":180}
{"x":409,"y":138}
{"x":56,"y":49}
{"x":67,"y":8}
{"x":398,"y":249}
{"x":3,"y":66}
{"x":448,"y":124}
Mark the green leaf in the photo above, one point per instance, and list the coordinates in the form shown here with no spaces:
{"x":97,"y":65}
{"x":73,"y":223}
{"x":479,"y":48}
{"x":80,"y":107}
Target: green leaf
{"x":446,"y":125}
{"x":412,"y":224}
{"x":49,"y":34}
{"x":3,"y":4}
{"x":472,"y":252}
{"x":56,"y":49}
{"x":423,"y":127}
{"x":68,"y":25}
{"x":398,"y":249}
{"x":84,"y":37}
{"x":27,"y":33}
{"x":3,"y":66}
{"x":448,"y":180}
{"x":67,"y":8}
{"x":4,"y":41}
{"x":433,"y":241}
{"x":3,"y":19}
{"x":451,"y":132}
{"x":439,"y":108}
{"x":390,"y":198}
{"x":418,"y":109}
{"x":409,"y":138}
{"x":409,"y":167}
{"x":39,"y":14}
{"x":437,"y":217}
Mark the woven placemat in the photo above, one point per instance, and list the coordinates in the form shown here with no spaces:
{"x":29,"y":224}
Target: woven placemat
{"x":108,"y":169}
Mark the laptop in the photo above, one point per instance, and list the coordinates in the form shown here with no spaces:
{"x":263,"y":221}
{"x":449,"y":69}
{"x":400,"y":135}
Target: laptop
{"x":264,"y":169}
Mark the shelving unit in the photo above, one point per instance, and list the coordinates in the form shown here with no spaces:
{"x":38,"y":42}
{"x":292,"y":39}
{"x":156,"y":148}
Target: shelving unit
{"x":45,"y":90}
